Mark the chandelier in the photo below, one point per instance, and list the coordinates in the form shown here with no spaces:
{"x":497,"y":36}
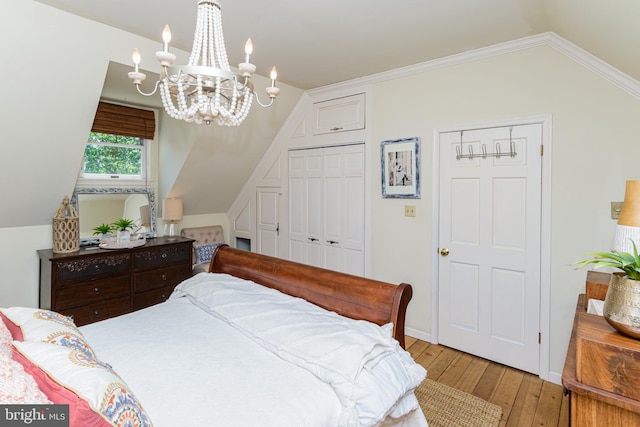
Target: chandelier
{"x":205,"y":90}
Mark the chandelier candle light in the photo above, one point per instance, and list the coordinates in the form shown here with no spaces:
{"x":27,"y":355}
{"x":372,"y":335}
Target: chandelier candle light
{"x":205,"y":90}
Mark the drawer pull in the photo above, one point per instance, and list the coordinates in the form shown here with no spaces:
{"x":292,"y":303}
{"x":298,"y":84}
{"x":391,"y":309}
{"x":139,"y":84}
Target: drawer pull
{"x":164,"y":297}
{"x":96,"y":267}
{"x":96,"y":313}
{"x":164,"y":255}
{"x":96,"y":290}
{"x":332,"y":242}
{"x":335,"y":129}
{"x":164,"y":277}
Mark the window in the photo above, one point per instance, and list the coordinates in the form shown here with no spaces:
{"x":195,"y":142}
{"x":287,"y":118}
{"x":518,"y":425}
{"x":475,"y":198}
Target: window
{"x":118,"y":145}
{"x":109,"y":156}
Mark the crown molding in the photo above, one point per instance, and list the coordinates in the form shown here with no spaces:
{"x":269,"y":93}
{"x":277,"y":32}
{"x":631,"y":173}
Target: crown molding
{"x":572,"y":51}
{"x":595,"y":65}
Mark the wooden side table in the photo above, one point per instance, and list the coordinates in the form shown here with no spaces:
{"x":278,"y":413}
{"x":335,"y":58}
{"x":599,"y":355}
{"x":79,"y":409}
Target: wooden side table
{"x":601,"y":371}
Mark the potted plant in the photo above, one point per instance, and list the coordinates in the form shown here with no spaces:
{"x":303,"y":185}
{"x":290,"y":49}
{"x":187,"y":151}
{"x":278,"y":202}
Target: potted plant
{"x":123,"y":227}
{"x":102,"y":230}
{"x":622,"y":303}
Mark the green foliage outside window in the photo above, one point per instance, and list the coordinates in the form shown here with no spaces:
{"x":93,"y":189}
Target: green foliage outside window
{"x":113,"y":155}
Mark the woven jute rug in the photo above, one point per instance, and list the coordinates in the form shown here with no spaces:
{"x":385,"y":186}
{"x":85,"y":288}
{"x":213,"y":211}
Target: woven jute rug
{"x":444,"y":406}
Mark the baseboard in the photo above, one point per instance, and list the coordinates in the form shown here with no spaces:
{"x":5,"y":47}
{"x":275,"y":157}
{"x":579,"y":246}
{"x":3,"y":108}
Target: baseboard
{"x":424,"y":336}
{"x":554,"y":377}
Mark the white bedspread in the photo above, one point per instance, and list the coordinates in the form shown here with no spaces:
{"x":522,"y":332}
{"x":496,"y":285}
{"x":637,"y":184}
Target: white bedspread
{"x":188,"y":367}
{"x":372,"y":376}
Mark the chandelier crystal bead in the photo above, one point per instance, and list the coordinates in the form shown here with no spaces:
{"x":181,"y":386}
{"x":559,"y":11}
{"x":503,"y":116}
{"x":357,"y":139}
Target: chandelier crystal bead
{"x":205,"y":90}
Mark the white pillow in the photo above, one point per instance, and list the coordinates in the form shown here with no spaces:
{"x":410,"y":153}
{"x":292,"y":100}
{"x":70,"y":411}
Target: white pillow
{"x":48,"y":326}
{"x":91,"y":379}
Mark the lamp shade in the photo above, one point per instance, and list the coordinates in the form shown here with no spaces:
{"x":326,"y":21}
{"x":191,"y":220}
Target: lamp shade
{"x":628,"y":228}
{"x":630,"y":214}
{"x":172,"y":209}
{"x":145,"y":217}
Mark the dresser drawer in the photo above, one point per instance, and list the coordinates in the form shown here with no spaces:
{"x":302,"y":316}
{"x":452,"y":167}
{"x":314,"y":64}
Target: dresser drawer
{"x":162,"y":256}
{"x":149,"y":298}
{"x":95,"y":291}
{"x":160,"y":277}
{"x":94,"y":284}
{"x":83,"y":269}
{"x":99,"y":311}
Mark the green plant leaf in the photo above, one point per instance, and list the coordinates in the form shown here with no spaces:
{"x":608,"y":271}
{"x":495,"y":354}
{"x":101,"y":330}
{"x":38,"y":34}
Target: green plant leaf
{"x":628,"y":263}
{"x":102,"y":229}
{"x":123,"y":224}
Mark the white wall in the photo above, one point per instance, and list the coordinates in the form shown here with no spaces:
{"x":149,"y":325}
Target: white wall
{"x":60,"y":61}
{"x":19,"y":264}
{"x":595,"y":132}
{"x":56,"y":64}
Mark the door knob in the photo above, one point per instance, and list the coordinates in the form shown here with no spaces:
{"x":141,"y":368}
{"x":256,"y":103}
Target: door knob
{"x":444,"y":251}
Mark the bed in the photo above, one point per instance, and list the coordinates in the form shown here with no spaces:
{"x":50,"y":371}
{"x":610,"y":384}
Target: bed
{"x":256,"y":341}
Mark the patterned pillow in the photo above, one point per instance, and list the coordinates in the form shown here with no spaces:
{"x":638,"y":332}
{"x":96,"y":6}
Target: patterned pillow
{"x":6,"y":348}
{"x":47,"y":326}
{"x":205,"y":252}
{"x":14,"y":329}
{"x":16,"y":385}
{"x":89,"y":379}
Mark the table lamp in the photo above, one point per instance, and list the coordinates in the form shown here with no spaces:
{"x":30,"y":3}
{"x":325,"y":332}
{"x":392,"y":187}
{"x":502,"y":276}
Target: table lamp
{"x":628,"y":228}
{"x":171,"y":214}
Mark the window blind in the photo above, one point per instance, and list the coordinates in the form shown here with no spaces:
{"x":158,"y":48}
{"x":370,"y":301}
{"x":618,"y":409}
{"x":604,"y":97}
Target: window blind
{"x":125,"y":121}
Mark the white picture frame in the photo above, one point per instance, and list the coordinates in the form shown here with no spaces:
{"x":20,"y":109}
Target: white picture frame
{"x":400,"y":164}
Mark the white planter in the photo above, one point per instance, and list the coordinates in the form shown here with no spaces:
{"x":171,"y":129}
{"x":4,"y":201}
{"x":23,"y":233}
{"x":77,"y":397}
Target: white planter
{"x":123,"y":236}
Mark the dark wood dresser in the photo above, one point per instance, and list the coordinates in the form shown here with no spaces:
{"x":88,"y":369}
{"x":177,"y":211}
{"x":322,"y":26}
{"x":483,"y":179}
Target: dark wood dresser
{"x":602,"y":368}
{"x":95,"y":284}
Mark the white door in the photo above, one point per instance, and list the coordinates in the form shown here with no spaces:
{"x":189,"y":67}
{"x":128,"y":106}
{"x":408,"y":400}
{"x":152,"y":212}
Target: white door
{"x":326,"y":207}
{"x":305,"y":206}
{"x":268,"y":220}
{"x":489,"y":269}
{"x":344,"y":208}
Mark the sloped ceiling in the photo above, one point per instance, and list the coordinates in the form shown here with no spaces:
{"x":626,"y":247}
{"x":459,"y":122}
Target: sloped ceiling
{"x":322,"y":42}
{"x":312,"y":43}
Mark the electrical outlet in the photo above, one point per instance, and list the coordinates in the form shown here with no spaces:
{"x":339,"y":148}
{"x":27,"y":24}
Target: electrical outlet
{"x":409,"y":210}
{"x":616,"y":208}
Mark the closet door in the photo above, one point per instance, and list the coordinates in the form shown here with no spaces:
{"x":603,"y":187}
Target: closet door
{"x":344,"y":208}
{"x":305,"y":206}
{"x":326,"y":207}
{"x":314,"y":200}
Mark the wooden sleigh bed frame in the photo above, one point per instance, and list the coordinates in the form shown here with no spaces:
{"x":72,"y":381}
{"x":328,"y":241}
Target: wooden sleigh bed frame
{"x":351,"y":296}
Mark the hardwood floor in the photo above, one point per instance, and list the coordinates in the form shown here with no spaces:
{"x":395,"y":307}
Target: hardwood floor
{"x":526,"y":400}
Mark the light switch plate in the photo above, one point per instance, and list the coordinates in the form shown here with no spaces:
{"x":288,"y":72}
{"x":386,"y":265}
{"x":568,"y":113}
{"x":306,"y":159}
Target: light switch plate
{"x":616,"y":208}
{"x":409,"y":210}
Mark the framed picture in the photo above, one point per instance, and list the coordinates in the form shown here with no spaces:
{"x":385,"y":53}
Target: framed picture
{"x":401,"y":168}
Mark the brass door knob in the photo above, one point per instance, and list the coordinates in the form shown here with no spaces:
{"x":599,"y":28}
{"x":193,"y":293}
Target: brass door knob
{"x":444,"y":251}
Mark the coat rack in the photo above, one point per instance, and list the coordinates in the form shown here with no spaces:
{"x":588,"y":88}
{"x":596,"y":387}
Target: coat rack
{"x":497,"y":154}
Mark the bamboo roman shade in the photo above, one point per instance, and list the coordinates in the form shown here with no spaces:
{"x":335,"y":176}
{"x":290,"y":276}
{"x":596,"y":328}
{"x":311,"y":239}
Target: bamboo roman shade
{"x":125,"y":121}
